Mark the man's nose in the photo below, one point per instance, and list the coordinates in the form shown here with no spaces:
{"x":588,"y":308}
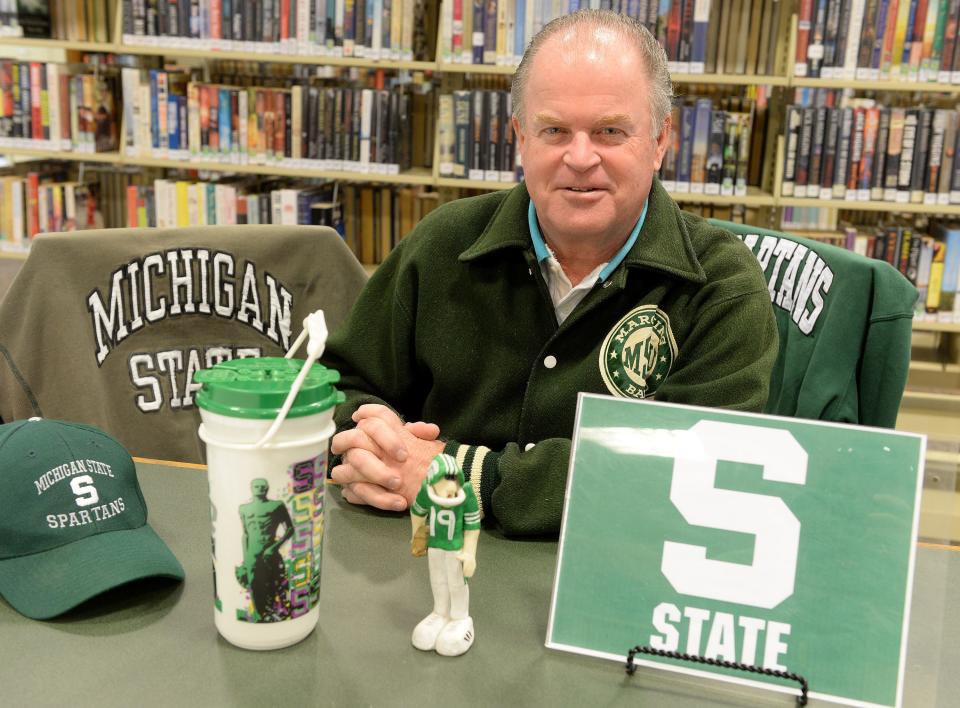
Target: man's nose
{"x":581,"y":154}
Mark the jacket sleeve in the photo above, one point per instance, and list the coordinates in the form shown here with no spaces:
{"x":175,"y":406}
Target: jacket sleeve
{"x":727,"y":358}
{"x":521,"y":490}
{"x":885,"y":359}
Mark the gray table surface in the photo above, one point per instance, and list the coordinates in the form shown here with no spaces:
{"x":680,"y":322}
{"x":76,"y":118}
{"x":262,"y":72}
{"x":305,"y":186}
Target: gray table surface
{"x":154,"y":643}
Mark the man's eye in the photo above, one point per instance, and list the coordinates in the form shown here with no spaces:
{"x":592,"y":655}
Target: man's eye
{"x":611,"y":131}
{"x":551,"y":131}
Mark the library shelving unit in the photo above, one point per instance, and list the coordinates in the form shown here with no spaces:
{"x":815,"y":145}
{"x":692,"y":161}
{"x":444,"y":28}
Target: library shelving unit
{"x":755,"y":197}
{"x":931,"y":402}
{"x":452,"y":74}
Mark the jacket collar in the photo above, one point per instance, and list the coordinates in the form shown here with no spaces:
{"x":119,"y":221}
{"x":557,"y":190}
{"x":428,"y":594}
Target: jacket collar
{"x":664,"y":242}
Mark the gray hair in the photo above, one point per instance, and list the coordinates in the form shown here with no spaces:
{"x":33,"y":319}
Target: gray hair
{"x":651,"y":52}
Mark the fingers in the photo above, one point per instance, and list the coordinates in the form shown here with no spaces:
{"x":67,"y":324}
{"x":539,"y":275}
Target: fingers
{"x":385,"y":436}
{"x":424,"y":431}
{"x":348,"y":494}
{"x":354,"y":437}
{"x":377,"y":410}
{"x":374,"y":495}
{"x":360,"y":465}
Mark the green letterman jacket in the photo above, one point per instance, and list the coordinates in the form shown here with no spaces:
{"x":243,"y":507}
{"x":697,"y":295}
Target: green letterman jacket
{"x":457,"y":328}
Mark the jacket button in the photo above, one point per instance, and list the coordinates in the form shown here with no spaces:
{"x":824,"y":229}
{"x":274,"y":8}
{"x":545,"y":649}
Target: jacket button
{"x":550,"y":361}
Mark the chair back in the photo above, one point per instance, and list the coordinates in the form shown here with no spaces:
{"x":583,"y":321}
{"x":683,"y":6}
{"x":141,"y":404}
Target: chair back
{"x":107,"y":327}
{"x":844,"y":322}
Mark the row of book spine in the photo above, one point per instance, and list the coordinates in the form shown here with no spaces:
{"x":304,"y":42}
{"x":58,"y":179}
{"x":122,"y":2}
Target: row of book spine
{"x":45,"y":106}
{"x":82,"y":20}
{"x":365,"y":130}
{"x":29,"y":206}
{"x":476,"y":139}
{"x":931,"y":262}
{"x":907,"y":40}
{"x":375,"y":218}
{"x":174,"y":203}
{"x":372,"y":219}
{"x":699,"y":36}
{"x":373,"y":29}
{"x":872,"y":153}
{"x":709,"y":150}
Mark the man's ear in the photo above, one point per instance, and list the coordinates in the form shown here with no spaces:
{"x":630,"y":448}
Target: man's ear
{"x":518,"y":132}
{"x":663,"y":142}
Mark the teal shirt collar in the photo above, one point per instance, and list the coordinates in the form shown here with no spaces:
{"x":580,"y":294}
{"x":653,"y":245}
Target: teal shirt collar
{"x":542,"y":253}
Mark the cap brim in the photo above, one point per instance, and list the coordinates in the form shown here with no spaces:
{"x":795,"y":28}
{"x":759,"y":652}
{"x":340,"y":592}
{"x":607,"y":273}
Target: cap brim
{"x":47,"y":584}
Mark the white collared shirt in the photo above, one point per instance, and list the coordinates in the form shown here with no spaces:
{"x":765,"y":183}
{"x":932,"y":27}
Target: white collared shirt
{"x":565,"y":296}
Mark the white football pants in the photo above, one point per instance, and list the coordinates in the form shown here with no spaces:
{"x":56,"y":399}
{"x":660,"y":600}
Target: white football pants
{"x":451,"y":594}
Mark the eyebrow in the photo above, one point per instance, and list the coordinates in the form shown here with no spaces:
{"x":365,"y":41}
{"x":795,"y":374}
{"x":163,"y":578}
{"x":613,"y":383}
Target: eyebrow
{"x":613,"y":119}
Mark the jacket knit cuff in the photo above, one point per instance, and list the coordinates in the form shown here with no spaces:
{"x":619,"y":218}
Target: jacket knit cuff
{"x":479,"y":466}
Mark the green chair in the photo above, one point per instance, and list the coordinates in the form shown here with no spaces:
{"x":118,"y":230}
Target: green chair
{"x":845,"y":324}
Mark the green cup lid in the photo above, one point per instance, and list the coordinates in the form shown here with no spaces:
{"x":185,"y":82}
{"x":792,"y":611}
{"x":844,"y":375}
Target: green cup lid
{"x":257,"y":388}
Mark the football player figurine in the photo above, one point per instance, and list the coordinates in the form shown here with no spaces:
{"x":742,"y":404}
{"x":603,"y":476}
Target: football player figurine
{"x":446,"y":525}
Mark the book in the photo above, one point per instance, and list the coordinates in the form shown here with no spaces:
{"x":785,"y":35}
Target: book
{"x":830,"y":145}
{"x":843,"y":153}
{"x":919,"y":173}
{"x":701,"y":140}
{"x":894,"y":150}
{"x":715,"y":152}
{"x":804,"y":147}
{"x":33,"y":18}
{"x":948,"y":309}
{"x":792,"y":125}
{"x":908,"y":146}
{"x":879,"y":166}
{"x":685,"y":154}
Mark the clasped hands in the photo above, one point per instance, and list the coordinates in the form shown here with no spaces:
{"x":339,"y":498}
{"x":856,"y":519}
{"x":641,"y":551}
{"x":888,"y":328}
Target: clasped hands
{"x":383,"y":460}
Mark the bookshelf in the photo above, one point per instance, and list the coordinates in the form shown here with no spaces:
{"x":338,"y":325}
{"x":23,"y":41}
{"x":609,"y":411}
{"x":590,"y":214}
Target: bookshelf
{"x":799,"y":21}
{"x":784,"y":81}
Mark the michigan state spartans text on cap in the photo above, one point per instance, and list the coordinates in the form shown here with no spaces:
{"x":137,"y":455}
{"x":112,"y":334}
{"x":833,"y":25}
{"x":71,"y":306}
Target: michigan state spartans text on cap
{"x":73,"y":522}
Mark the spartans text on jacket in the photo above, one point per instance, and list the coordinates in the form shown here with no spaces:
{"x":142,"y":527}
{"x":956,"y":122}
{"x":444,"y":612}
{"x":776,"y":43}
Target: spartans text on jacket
{"x":797,"y":277}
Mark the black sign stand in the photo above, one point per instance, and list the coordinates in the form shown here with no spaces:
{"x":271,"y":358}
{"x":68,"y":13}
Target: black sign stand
{"x":631,"y":667}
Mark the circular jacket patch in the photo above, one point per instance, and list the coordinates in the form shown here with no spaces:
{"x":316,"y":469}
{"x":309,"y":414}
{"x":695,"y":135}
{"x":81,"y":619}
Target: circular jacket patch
{"x":636,"y":355}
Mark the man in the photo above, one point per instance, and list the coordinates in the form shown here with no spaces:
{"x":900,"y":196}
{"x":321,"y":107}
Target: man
{"x":445,"y":527}
{"x":497,"y":310}
{"x":263,"y":571}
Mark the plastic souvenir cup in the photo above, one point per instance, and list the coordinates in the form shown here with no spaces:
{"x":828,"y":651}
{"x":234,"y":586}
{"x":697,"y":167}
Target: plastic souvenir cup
{"x":266,"y":497}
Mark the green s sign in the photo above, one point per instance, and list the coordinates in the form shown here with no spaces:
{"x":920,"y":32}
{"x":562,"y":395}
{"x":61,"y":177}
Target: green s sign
{"x":773,"y":542}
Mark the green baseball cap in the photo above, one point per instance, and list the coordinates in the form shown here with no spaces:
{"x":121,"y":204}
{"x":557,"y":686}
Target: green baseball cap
{"x":73,"y":522}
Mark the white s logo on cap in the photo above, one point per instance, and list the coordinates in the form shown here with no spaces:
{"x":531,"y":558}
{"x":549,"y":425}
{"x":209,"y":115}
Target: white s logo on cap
{"x":83,"y":487}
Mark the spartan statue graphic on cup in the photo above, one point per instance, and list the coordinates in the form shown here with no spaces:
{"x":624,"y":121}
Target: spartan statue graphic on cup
{"x":263,"y":571}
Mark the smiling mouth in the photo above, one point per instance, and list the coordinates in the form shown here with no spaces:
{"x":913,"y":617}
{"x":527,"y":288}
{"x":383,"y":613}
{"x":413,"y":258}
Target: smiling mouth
{"x":581,"y":189}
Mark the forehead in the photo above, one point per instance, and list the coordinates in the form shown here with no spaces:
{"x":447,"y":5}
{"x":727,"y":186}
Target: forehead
{"x":599,"y":51}
{"x":587,"y":71}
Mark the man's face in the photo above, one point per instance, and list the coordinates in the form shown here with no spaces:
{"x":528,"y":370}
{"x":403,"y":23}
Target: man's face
{"x":586,"y":142}
{"x":259,"y":488}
